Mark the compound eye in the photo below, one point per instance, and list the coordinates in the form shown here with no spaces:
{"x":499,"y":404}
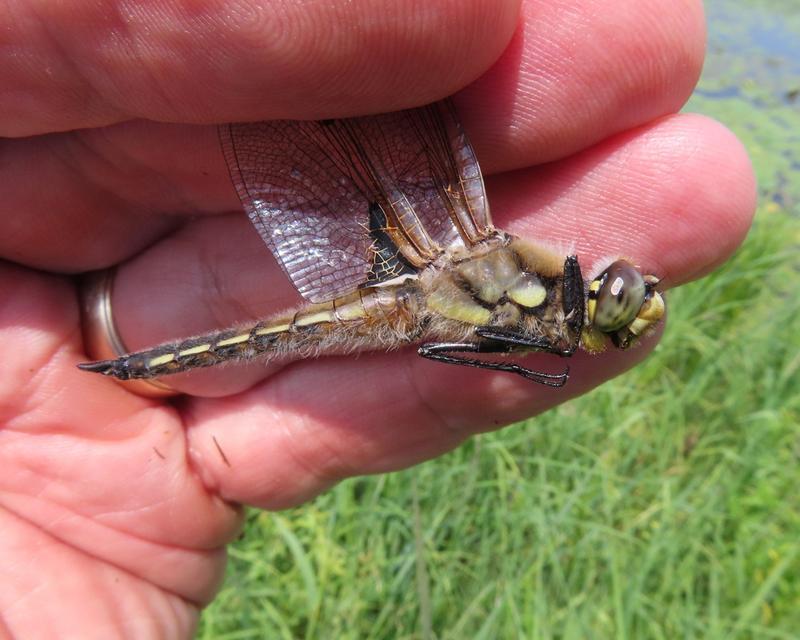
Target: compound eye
{"x":620,"y":296}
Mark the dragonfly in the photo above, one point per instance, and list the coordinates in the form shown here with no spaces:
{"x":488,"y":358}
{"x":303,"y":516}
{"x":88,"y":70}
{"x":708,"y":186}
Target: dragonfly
{"x":382,"y":224}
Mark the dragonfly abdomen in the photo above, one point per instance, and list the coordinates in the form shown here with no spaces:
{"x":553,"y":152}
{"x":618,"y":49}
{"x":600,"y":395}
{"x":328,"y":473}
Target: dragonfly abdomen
{"x":378,"y":317}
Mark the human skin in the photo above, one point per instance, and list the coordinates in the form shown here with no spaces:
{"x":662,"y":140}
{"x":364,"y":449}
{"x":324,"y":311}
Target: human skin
{"x":115,"y":509}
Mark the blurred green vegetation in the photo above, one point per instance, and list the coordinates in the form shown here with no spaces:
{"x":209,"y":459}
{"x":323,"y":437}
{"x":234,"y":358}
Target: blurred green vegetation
{"x":661,"y":505}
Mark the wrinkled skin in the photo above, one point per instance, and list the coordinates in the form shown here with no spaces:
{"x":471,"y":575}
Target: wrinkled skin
{"x":115,"y":509}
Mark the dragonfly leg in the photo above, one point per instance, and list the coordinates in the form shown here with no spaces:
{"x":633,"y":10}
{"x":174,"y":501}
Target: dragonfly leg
{"x":514,"y":341}
{"x":445,"y":352}
{"x":573,"y":301}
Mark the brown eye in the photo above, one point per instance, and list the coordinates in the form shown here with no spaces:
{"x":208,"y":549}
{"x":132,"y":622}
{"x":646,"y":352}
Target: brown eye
{"x":619,"y":293}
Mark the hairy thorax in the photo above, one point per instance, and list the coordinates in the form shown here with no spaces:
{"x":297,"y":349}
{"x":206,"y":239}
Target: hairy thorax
{"x":510,"y":284}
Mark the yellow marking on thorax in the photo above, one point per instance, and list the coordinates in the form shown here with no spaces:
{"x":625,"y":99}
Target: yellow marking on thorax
{"x":528,"y":291}
{"x":159,"y":360}
{"x":490,"y":275}
{"x":384,"y":299}
{"x":200,"y":348}
{"x":458,"y":305}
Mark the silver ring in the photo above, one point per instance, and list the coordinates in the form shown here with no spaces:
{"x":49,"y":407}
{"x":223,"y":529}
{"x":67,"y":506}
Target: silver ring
{"x":101,"y":338}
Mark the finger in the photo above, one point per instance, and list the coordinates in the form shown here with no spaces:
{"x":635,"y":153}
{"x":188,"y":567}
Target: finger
{"x":126,"y":493}
{"x":87,"y":199}
{"x":675,"y":197}
{"x":244,"y":61}
{"x":577,"y":72}
{"x":67,"y":593}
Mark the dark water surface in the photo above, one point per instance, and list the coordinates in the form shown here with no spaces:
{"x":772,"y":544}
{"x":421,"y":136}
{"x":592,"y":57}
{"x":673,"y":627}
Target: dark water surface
{"x":751,"y":82}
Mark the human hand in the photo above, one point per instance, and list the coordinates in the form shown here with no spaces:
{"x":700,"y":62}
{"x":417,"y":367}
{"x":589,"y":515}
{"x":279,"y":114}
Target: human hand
{"x":116,"y":508}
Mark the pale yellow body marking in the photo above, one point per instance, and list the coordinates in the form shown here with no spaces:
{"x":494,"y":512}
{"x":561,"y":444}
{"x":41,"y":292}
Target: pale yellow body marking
{"x":244,"y":337}
{"x":350,"y":311}
{"x":167,"y":357}
{"x":458,"y":306}
{"x":529,"y":293}
{"x":200,"y":348}
{"x":591,"y":302}
{"x":278,"y":328}
{"x":314,"y":318}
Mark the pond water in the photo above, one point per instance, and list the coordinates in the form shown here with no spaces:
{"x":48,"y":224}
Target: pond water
{"x":751,"y":82}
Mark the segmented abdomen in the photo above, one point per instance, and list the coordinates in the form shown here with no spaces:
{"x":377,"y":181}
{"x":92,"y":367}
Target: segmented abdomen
{"x":373,"y":318}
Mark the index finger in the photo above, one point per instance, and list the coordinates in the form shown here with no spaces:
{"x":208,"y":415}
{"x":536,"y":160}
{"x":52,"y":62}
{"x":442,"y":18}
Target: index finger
{"x":81,"y":65}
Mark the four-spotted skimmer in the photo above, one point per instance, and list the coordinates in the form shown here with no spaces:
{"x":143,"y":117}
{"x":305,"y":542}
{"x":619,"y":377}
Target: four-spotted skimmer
{"x":383,"y":226}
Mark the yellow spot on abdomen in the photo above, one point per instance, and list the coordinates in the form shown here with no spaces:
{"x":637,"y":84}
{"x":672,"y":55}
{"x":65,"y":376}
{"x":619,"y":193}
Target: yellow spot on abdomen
{"x":200,"y":348}
{"x":159,"y":360}
{"x":278,"y":328}
{"x":244,"y":337}
{"x":314,"y":318}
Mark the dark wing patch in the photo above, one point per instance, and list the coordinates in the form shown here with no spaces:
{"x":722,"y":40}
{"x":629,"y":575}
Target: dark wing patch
{"x":387,"y":260}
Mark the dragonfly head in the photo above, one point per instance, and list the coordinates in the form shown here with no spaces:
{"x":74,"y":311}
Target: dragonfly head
{"x":622,"y":304}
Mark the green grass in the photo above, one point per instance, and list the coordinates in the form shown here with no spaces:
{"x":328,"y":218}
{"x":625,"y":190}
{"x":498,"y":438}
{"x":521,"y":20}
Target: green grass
{"x":662,"y":505}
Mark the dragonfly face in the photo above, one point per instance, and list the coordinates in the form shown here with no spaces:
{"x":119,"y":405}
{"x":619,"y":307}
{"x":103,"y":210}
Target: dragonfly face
{"x":383,"y":225}
{"x":622,"y":304}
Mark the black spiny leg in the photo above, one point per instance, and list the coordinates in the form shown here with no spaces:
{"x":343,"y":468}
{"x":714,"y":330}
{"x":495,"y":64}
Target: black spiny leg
{"x":443,"y":352}
{"x":516,"y":341}
{"x":573,"y":300}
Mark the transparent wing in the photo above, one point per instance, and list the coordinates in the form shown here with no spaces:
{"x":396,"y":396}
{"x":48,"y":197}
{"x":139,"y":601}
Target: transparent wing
{"x":308,"y":188}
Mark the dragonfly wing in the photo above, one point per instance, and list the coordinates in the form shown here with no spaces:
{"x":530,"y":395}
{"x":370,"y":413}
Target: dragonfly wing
{"x":307,"y":212}
{"x":311,"y":190}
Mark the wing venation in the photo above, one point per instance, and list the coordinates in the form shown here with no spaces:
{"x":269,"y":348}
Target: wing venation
{"x":309,"y":187}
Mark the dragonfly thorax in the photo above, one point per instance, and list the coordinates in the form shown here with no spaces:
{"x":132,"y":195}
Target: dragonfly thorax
{"x":515,"y":285}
